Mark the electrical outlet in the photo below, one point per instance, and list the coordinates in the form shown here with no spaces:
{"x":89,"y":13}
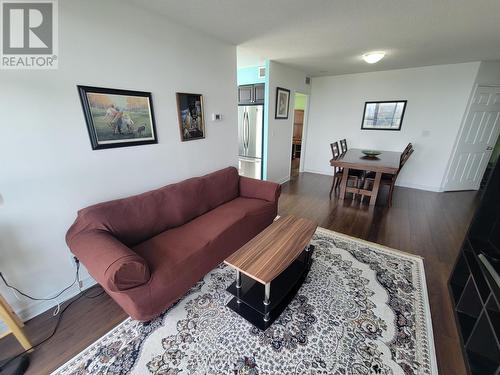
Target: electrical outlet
{"x":71,"y":258}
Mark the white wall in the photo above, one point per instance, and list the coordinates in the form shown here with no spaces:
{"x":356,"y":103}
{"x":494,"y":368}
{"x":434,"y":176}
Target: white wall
{"x":437,"y":98}
{"x":489,"y":73}
{"x":280,"y":131}
{"x":48,"y":170}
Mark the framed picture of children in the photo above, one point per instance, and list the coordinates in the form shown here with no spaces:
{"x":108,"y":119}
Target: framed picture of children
{"x":191,"y":116}
{"x":118,"y":118}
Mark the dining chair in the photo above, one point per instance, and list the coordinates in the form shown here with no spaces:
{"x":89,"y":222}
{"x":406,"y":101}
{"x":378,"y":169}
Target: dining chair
{"x":335,"y":149}
{"x":343,"y":145}
{"x":406,"y":150}
{"x":338,"y":172}
{"x":390,"y":180}
{"x":403,"y":154}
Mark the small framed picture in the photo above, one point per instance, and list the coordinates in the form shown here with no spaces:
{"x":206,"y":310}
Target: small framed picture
{"x":118,"y":118}
{"x":282,"y":103}
{"x":386,"y":115}
{"x":191,"y":116}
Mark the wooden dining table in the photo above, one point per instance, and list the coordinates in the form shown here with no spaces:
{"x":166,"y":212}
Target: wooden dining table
{"x":386,"y":162}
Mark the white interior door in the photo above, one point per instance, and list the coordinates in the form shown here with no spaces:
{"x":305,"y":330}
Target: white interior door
{"x":477,"y":139}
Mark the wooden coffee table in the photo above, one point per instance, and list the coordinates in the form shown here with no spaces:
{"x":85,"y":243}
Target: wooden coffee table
{"x":270,"y":269}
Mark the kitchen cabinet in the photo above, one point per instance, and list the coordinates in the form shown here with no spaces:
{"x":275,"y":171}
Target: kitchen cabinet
{"x":251,"y":94}
{"x":259,"y":93}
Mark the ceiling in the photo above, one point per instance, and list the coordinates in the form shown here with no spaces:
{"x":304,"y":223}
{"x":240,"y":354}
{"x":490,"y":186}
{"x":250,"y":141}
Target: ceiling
{"x":328,"y":37}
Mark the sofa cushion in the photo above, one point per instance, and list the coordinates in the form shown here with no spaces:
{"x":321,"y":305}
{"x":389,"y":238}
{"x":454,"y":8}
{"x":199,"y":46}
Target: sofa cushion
{"x":137,"y":218}
{"x":181,"y":256}
{"x":221,"y":226}
{"x":221,"y":187}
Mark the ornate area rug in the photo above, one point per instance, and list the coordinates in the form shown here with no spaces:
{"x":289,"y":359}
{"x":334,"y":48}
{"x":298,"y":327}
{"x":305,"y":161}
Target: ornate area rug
{"x":363,"y":309}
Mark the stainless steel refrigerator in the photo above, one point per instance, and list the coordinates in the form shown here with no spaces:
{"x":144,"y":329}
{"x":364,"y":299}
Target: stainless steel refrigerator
{"x":250,"y":125}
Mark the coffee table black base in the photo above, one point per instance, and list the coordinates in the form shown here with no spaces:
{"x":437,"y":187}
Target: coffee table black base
{"x":248,"y":301}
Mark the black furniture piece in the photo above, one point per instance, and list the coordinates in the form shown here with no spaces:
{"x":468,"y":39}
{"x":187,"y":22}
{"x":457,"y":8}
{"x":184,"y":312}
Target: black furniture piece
{"x":16,"y":366}
{"x":251,"y":94}
{"x":475,"y":285}
{"x":248,"y":296}
{"x":270,"y":268}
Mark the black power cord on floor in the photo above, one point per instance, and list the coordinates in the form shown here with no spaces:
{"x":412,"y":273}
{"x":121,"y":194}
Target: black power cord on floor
{"x":5,"y":363}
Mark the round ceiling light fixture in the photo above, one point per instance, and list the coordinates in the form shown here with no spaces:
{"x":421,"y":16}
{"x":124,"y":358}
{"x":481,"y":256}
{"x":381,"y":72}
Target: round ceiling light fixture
{"x":373,"y":57}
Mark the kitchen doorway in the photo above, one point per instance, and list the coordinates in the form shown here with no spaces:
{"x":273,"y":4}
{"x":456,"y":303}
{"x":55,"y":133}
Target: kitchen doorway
{"x":298,"y":134}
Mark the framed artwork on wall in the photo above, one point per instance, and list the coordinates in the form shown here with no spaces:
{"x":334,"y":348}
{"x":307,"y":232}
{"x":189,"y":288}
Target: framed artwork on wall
{"x":118,"y":118}
{"x":282,"y":103}
{"x":191,"y":116}
{"x":386,"y":115}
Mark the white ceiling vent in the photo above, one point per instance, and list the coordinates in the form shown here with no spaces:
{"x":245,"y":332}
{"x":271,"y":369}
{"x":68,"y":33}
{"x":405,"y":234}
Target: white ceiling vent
{"x":262,"y":72}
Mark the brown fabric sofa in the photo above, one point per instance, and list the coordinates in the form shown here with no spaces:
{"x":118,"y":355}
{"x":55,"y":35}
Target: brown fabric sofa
{"x":148,"y":250}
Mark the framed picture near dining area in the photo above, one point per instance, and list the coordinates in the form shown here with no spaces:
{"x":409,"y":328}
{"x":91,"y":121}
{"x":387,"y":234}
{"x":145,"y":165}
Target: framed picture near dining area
{"x":282,"y":103}
{"x":191,"y":116}
{"x":386,"y":115}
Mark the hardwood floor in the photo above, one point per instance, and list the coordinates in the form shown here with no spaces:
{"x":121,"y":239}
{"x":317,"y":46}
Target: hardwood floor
{"x":424,"y":223}
{"x":419,"y":222}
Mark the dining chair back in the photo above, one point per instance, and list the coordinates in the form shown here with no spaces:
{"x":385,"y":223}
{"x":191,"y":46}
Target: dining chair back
{"x":390,"y":180}
{"x":343,"y":145}
{"x":335,"y":149}
{"x":405,"y":158}
{"x":405,"y":151}
{"x":353,"y":175}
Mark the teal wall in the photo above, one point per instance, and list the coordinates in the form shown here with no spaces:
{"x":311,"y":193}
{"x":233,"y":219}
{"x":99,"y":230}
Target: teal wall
{"x":249,"y":75}
{"x":265,"y":140}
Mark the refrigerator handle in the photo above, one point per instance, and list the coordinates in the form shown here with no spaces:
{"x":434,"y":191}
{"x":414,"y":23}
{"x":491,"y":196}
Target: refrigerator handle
{"x":248,"y":132}
{"x":246,"y":135}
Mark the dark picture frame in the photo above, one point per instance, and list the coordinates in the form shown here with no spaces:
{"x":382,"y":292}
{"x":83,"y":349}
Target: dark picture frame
{"x":118,"y":118}
{"x":191,"y":116}
{"x":374,"y":117}
{"x":282,"y":108}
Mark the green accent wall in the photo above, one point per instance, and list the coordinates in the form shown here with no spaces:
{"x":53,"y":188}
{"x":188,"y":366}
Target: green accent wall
{"x":300,"y":101}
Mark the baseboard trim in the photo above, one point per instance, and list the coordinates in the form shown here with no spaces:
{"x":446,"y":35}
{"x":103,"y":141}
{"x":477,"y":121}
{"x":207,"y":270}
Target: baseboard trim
{"x":38,"y":307}
{"x":436,"y":189}
{"x":318,"y":172}
{"x":401,"y":184}
{"x":284,"y":180}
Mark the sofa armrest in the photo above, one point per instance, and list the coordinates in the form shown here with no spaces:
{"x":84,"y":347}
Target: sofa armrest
{"x":265,"y":190}
{"x":109,"y":262}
